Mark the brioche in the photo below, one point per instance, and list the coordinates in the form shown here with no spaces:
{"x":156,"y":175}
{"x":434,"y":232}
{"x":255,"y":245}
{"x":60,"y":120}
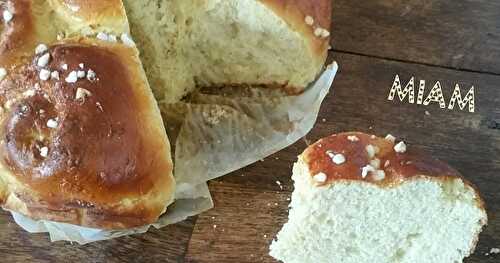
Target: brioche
{"x":81,"y":137}
{"x":359,"y":198}
{"x":186,"y":44}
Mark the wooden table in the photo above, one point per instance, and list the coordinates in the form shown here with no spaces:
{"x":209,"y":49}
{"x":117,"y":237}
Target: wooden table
{"x":451,"y":41}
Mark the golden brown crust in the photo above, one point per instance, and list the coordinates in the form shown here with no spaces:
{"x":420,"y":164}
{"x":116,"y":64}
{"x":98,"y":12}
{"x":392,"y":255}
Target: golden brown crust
{"x":108,"y":154}
{"x":294,"y":12}
{"x":397,"y":167}
{"x":19,"y":34}
{"x":107,"y":162}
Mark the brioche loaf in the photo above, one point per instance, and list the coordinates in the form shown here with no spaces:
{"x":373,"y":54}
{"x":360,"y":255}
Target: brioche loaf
{"x":359,"y":198}
{"x":195,"y":43}
{"x":81,"y":137}
{"x":82,"y":140}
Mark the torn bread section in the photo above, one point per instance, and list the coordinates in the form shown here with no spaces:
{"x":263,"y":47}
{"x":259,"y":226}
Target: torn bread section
{"x":187,"y":44}
{"x":348,"y":217}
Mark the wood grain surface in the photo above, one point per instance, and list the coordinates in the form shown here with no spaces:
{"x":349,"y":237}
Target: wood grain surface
{"x":451,"y":41}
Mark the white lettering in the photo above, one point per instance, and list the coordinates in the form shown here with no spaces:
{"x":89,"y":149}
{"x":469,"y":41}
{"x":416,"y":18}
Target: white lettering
{"x":457,"y":96}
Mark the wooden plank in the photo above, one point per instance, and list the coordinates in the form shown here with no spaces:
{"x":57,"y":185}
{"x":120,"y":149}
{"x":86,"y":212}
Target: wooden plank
{"x":461,"y":34}
{"x":240,"y":227}
{"x":468,"y":141}
{"x":165,"y":245}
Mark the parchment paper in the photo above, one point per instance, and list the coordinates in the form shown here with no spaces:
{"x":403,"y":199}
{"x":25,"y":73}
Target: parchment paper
{"x":216,"y":131}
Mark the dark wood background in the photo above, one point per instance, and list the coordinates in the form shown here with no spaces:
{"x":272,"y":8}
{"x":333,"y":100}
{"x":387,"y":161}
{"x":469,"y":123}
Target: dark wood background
{"x":453,"y":41}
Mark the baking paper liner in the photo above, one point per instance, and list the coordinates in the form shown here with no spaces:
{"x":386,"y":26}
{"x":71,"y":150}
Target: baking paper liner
{"x":215,"y":132}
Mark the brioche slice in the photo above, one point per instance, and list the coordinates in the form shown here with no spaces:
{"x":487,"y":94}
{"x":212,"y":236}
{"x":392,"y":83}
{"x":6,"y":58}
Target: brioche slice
{"x":359,"y":198}
{"x":81,"y":136}
{"x":185,"y":43}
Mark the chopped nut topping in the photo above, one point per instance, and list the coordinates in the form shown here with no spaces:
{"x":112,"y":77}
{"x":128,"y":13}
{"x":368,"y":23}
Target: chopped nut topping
{"x":325,"y":33}
{"x":320,"y":178}
{"x":3,"y":73}
{"x":44,"y":74}
{"x":379,"y":175}
{"x":54,"y":75}
{"x":41,"y":48}
{"x":390,"y":138}
{"x":336,"y":158}
{"x":81,"y":94}
{"x":400,"y":147}
{"x":72,"y":77}
{"x":127,"y":40}
{"x":352,"y":138}
{"x":112,"y":38}
{"x":7,"y":16}
{"x":371,"y":150}
{"x":102,"y":36}
{"x":321,"y":32}
{"x":375,"y":163}
{"x":43,"y":60}
{"x":44,"y":151}
{"x":51,"y":123}
{"x":91,"y":76}
{"x":81,"y":74}
{"x":367,"y":169}
{"x":318,"y":31}
{"x":309,"y":20}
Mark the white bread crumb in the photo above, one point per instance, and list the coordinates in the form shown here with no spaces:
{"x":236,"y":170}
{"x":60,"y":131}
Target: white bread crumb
{"x":358,"y":222}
